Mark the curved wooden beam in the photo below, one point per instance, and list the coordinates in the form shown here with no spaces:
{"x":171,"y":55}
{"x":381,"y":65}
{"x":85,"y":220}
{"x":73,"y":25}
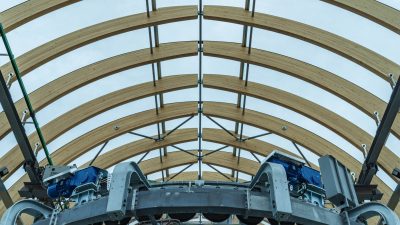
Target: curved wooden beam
{"x":318,"y":145}
{"x":69,"y":42}
{"x":295,"y":133}
{"x":361,"y":55}
{"x":93,"y":108}
{"x":129,"y":150}
{"x":30,"y":10}
{"x":372,"y":10}
{"x":118,"y":63}
{"x":60,"y":125}
{"x":329,"y":119}
{"x":95,"y":137}
{"x":135,"y":148}
{"x":355,"y":95}
{"x":341,"y":126}
{"x":55,"y":48}
{"x":332,"y":42}
{"x":80,"y":77}
{"x":223,"y":159}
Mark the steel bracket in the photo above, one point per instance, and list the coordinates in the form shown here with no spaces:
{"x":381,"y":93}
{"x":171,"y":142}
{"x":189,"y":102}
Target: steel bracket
{"x":273,"y":176}
{"x":367,"y":210}
{"x":28,"y":206}
{"x":126,"y":177}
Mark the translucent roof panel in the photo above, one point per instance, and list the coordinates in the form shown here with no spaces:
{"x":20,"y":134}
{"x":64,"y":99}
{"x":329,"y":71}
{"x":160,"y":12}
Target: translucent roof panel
{"x":110,"y":76}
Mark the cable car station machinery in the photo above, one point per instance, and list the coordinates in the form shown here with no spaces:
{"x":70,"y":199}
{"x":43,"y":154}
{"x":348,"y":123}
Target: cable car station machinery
{"x":277,"y":193}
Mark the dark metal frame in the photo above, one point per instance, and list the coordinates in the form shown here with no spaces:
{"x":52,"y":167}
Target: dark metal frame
{"x":200,"y":85}
{"x":370,"y":166}
{"x":31,"y":164}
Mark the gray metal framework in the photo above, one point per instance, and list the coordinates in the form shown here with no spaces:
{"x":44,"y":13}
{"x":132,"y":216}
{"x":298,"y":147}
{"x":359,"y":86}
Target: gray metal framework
{"x":130,"y":195}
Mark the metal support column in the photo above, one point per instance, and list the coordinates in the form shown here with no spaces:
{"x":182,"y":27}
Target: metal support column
{"x":31,"y":164}
{"x":370,"y":166}
{"x":200,"y":85}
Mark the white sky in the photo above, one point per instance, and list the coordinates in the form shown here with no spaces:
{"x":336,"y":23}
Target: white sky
{"x":311,"y":12}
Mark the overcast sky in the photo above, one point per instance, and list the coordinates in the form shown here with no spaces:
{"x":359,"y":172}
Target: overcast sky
{"x":311,"y":12}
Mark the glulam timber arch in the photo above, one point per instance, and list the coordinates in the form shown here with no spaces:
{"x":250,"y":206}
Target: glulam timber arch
{"x":65,"y":84}
{"x":30,"y":10}
{"x":353,"y":51}
{"x":132,"y":149}
{"x":339,"y":45}
{"x":363,"y":100}
{"x":67,"y":43}
{"x":143,"y":145}
{"x":323,"y":116}
{"x":372,"y":10}
{"x":135,"y":148}
{"x":85,"y":75}
{"x":341,"y":126}
{"x":353,"y":94}
{"x":65,"y":122}
{"x":311,"y":141}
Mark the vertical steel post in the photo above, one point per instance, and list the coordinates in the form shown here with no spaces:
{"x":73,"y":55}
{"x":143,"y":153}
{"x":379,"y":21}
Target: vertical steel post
{"x":370,"y":167}
{"x":31,"y":164}
{"x":200,"y":85}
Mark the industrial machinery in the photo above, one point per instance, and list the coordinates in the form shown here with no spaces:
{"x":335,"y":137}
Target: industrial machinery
{"x":304,"y":182}
{"x":267,"y":197}
{"x":78,"y":185}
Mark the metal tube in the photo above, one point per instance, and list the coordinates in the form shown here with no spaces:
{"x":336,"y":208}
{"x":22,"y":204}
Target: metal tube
{"x":301,"y":153}
{"x":143,"y":136}
{"x":241,"y":71}
{"x":257,"y":136}
{"x":147,"y":8}
{"x":200,"y":85}
{"x":141,"y":159}
{"x":26,"y":97}
{"x":254,"y":8}
{"x":226,"y":130}
{"x":183,"y":150}
{"x":181,"y":124}
{"x":98,"y":153}
{"x":224,"y":175}
{"x":254,"y":155}
{"x":181,"y":171}
{"x":217,"y":150}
